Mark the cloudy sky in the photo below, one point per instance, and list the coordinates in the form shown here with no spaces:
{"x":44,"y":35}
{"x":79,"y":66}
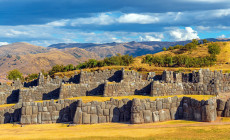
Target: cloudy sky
{"x":45,"y":22}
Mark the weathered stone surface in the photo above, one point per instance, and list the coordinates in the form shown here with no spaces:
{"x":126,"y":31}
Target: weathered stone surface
{"x":156,"y":117}
{"x":101,"y":119}
{"x":85,"y":118}
{"x":25,"y":119}
{"x":46,"y":116}
{"x":147,"y":116}
{"x":93,"y":118}
{"x":159,"y":105}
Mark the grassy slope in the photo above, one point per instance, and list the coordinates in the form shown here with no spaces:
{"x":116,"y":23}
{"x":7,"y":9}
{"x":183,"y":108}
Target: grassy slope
{"x":202,"y":50}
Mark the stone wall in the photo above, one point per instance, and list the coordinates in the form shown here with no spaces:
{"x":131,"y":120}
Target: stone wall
{"x":48,"y":112}
{"x":125,"y":110}
{"x":102,"y":112}
{"x":82,"y":89}
{"x":113,"y":89}
{"x":203,"y":82}
{"x":38,"y":93}
{"x":146,"y":111}
{"x":10,"y":114}
{"x":166,"y":89}
{"x":100,"y":76}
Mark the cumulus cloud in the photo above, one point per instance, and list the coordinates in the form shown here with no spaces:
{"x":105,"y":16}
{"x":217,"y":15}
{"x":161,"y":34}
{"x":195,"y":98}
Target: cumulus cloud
{"x":221,"y":36}
{"x":183,"y":34}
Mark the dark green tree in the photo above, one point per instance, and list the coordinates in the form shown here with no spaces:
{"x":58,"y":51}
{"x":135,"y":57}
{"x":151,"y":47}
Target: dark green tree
{"x":14,"y":74}
{"x":214,"y":49}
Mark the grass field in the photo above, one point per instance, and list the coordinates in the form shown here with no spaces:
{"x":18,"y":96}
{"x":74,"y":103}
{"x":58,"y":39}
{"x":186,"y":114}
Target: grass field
{"x":177,"y":129}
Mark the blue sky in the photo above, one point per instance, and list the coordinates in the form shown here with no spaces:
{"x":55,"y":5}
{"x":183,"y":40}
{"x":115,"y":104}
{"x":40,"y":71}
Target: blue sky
{"x":45,"y":22}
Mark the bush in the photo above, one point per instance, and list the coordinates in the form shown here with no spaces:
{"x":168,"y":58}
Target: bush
{"x":164,"y":49}
{"x":14,"y":74}
{"x":120,"y":60}
{"x":205,"y":41}
{"x":195,"y":42}
{"x":31,"y":77}
{"x":189,"y":47}
{"x":214,"y":49}
{"x":179,"y":61}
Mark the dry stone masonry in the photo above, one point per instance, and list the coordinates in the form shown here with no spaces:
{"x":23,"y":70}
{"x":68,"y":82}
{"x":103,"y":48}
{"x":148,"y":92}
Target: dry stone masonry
{"x":111,"y":83}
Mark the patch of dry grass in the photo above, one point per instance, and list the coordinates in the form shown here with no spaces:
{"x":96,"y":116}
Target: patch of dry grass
{"x":178,"y":129}
{"x":86,"y":99}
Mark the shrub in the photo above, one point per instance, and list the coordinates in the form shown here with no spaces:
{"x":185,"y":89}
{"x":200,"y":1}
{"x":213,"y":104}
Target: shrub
{"x":179,"y":60}
{"x":189,"y":47}
{"x":14,"y":74}
{"x":205,"y":41}
{"x":164,"y":49}
{"x":214,"y":49}
{"x":31,"y":77}
{"x":195,"y":42}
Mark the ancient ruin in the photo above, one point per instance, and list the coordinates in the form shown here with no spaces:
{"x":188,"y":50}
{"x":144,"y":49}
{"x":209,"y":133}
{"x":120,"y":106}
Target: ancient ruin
{"x":57,"y":106}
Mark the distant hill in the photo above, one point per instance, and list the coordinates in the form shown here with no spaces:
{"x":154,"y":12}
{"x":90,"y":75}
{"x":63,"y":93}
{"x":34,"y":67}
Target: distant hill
{"x":21,"y":48}
{"x":132,"y":48}
{"x":29,"y":58}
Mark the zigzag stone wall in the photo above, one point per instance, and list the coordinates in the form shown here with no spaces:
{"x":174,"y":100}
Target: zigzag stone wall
{"x":134,"y":111}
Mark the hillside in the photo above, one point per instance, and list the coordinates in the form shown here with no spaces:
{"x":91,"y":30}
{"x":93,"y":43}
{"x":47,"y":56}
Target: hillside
{"x":21,"y":48}
{"x":111,"y":49}
{"x":223,"y":61}
{"x":29,"y":58}
{"x":132,"y":48}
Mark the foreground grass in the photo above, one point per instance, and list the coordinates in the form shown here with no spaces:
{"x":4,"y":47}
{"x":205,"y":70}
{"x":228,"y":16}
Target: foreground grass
{"x":178,"y":129}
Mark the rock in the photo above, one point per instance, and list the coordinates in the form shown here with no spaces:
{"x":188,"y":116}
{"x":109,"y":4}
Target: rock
{"x":25,"y":119}
{"x":46,"y":116}
{"x":164,"y":115}
{"x":147,"y":116}
{"x":85,"y":118}
{"x":173,"y":113}
{"x":101,"y":119}
{"x":34,"y":119}
{"x":93,"y":110}
{"x":55,"y":115}
{"x":106,"y":112}
{"x":93,"y":118}
{"x":156,"y":117}
{"x":220,"y":105}
{"x":159,"y":105}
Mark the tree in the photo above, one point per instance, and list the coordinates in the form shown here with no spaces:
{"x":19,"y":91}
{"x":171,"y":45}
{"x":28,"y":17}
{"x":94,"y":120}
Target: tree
{"x":14,"y":74}
{"x":194,"y":41}
{"x":205,"y":41}
{"x":31,"y":77}
{"x":214,"y":49}
{"x":164,"y":49}
{"x":92,"y":63}
{"x":189,"y":46}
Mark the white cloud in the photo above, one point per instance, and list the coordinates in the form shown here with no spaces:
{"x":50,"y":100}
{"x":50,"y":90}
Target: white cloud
{"x":188,"y":33}
{"x":3,"y":43}
{"x":58,"y":23}
{"x":221,"y":36}
{"x":137,"y":18}
{"x":102,"y":19}
{"x":151,"y":37}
